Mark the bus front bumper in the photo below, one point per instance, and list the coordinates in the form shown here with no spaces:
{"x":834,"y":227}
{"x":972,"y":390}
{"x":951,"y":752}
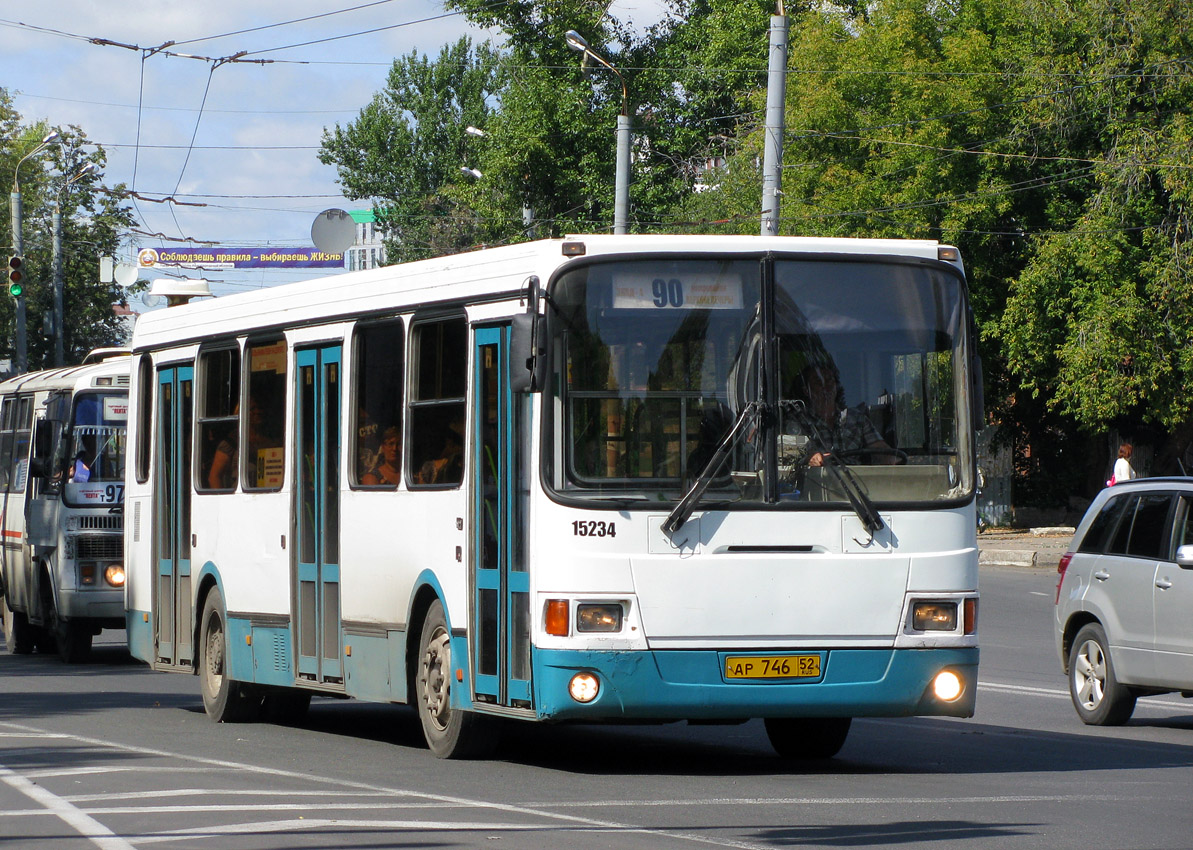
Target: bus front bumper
{"x":692,"y":685}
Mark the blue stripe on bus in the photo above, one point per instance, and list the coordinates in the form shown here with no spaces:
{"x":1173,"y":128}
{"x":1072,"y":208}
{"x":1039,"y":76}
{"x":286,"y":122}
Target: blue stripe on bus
{"x":689,"y":684}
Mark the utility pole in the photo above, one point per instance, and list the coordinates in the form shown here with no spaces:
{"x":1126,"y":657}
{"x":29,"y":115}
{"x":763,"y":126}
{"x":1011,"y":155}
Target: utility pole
{"x":21,"y":364}
{"x":776,"y":95}
{"x":621,"y":185}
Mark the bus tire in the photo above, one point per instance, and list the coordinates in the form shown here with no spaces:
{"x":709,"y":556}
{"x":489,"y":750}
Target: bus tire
{"x":73,"y":639}
{"x":224,"y":699}
{"x":806,"y":738}
{"x":450,"y":734}
{"x":18,"y":634}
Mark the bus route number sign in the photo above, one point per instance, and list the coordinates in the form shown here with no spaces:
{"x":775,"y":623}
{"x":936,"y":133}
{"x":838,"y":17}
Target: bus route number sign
{"x":772,"y":667}
{"x":639,"y":291}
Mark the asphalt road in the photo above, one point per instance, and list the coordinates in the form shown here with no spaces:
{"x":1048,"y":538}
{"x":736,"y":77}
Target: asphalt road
{"x":112,"y":756}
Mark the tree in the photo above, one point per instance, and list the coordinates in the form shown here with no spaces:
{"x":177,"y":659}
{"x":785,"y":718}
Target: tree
{"x":405,"y":150}
{"x":94,"y":220}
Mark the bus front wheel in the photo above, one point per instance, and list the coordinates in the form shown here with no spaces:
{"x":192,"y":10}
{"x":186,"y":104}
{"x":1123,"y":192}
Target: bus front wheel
{"x":450,"y":733}
{"x":18,"y":634}
{"x":225,"y":700}
{"x":807,"y":737}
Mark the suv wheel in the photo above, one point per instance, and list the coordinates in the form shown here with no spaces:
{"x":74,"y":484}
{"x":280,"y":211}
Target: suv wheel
{"x":1100,"y":699}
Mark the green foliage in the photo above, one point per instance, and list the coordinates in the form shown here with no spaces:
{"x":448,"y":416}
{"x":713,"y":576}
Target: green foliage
{"x":1050,"y":141}
{"x":93,"y":223}
{"x":405,"y":150}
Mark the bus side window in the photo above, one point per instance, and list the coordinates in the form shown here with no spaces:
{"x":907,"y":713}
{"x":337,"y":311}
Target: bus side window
{"x":219,"y":408}
{"x":144,"y":417}
{"x":265,"y":462}
{"x":7,"y":417}
{"x":379,"y":371}
{"x":436,"y":431}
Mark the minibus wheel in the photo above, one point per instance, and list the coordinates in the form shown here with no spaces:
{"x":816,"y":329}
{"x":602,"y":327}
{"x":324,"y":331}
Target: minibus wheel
{"x":18,"y":634}
{"x":450,"y":733}
{"x":225,"y":700}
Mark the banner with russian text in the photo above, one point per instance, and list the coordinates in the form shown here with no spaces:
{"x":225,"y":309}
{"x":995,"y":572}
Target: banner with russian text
{"x":238,"y":258}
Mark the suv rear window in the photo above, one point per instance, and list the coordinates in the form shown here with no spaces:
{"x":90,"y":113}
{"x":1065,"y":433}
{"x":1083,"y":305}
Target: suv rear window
{"x":1103,"y":525}
{"x":1142,"y":530}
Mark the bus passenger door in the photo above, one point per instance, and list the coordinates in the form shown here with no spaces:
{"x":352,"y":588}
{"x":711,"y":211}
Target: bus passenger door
{"x":501,"y":600}
{"x":317,"y":626}
{"x":173,"y":621}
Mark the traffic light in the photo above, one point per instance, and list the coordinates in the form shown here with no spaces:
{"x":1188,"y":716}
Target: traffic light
{"x":16,"y":277}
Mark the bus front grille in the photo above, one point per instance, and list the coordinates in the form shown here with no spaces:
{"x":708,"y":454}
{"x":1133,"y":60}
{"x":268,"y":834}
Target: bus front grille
{"x":95,"y":547}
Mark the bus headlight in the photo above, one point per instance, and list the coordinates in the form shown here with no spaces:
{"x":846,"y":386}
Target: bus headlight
{"x":584,"y":687}
{"x":947,"y":686}
{"x":598,"y":618}
{"x":114,"y":575}
{"x":934,"y":616}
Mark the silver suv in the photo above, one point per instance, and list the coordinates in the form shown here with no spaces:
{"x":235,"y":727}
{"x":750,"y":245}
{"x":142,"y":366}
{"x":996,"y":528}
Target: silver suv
{"x":1125,"y":597}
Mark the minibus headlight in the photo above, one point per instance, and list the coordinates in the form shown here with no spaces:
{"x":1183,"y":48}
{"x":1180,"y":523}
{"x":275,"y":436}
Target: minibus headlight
{"x":114,"y":575}
{"x":584,"y":687}
{"x":598,"y":618}
{"x":947,"y":686}
{"x":934,"y":616}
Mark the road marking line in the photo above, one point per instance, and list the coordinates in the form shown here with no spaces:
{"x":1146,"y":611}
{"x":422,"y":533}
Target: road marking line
{"x":573,"y":821}
{"x":84,"y":824}
{"x":1056,"y":693}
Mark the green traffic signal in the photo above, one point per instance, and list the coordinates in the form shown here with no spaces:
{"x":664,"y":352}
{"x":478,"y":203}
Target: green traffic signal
{"x":16,"y":277}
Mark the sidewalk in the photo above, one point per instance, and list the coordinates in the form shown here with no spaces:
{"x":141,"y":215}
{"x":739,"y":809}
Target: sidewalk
{"x":1034,"y":547}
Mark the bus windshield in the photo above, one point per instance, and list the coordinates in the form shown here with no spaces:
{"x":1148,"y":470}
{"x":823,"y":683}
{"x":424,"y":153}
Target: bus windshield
{"x":94,"y":451}
{"x":852,"y":374}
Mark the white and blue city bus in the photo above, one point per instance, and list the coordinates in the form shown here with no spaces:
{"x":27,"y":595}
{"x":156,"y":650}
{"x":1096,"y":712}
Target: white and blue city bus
{"x":62,"y":453}
{"x":597,"y":478}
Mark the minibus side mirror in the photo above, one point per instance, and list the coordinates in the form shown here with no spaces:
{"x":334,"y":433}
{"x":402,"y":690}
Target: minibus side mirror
{"x":43,"y":448}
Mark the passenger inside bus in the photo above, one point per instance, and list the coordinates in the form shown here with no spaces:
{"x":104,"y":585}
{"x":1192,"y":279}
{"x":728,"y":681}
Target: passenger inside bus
{"x":389,"y":469}
{"x":448,"y":468}
{"x":222,"y":474}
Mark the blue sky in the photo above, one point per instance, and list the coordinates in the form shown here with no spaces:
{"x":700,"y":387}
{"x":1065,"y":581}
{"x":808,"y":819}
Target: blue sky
{"x":253,"y":161}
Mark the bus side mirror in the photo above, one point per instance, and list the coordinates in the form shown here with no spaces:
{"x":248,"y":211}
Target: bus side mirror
{"x":528,"y":353}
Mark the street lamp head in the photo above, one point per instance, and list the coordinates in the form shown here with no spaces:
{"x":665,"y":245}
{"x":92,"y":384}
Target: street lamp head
{"x":576,"y":41}
{"x":86,"y":169}
{"x":471,"y":172}
{"x":51,"y":138}
{"x":475,"y":131}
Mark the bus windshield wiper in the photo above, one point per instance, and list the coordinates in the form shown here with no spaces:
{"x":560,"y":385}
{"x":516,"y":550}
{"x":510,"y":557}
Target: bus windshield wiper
{"x":858,"y":499}
{"x":676,"y":519}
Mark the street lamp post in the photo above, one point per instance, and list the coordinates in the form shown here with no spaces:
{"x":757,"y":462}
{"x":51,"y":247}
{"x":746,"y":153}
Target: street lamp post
{"x":59,"y":327}
{"x":18,"y":248}
{"x":621,"y":190}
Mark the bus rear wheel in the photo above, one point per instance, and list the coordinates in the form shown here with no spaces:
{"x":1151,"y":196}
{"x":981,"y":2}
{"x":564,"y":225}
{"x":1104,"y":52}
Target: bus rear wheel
{"x":224,"y":699}
{"x":807,"y":738}
{"x":18,"y":634}
{"x":450,"y":733}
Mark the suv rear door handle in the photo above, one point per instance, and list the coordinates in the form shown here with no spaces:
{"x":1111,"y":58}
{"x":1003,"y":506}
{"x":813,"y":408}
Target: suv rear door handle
{"x":1101,"y":575}
{"x":1163,"y":584}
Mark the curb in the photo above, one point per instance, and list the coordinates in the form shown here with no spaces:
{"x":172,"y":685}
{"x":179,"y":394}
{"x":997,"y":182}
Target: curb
{"x":1007,"y":557}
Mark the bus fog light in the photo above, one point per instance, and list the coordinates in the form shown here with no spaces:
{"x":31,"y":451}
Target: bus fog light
{"x":584,"y":687}
{"x":947,"y":685}
{"x":598,"y":618}
{"x":114,"y":575}
{"x":934,"y":616}
{"x":87,"y":574}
